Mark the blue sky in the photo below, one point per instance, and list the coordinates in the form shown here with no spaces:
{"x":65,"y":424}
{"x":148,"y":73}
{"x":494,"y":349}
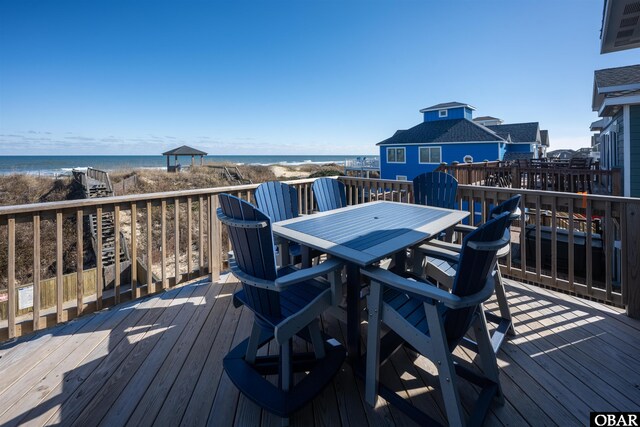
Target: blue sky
{"x":286,"y":77}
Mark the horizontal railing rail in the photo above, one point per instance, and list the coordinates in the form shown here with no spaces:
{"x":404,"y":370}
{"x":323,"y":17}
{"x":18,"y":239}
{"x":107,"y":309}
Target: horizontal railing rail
{"x":588,"y":245}
{"x":172,"y":237}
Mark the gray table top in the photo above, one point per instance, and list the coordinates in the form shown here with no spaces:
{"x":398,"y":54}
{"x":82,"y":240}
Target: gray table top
{"x":366,"y":233}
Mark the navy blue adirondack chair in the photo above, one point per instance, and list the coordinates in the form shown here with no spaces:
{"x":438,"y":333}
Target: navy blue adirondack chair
{"x":434,"y":322}
{"x":329,"y":194}
{"x":437,"y":189}
{"x":442,"y":263}
{"x":279,"y":201}
{"x":286,"y":302}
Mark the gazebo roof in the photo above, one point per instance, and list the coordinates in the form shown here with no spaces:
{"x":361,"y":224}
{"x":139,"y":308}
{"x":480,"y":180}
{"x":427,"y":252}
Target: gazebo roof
{"x":184,"y":151}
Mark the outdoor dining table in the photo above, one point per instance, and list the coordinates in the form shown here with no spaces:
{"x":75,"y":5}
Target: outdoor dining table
{"x":362,"y":235}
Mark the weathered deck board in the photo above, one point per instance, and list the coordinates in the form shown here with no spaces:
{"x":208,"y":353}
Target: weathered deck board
{"x":159,"y":361}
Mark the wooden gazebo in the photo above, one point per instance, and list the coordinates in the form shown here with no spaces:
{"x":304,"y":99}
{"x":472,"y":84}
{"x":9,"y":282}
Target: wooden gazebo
{"x":183,"y":151}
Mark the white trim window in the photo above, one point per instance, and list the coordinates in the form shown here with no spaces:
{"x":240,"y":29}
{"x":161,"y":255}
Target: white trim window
{"x":396,"y":155}
{"x":401,"y":177}
{"x":430,"y":155}
{"x":443,"y":113}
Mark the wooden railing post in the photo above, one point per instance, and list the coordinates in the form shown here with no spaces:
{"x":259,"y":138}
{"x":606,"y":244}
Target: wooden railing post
{"x":631,"y":257}
{"x":616,"y":182}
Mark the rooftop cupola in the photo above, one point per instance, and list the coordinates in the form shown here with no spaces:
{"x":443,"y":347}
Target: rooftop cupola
{"x":448,"y":111}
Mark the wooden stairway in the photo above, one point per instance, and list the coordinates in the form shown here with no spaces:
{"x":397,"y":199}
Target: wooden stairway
{"x":96,"y":183}
{"x":234,"y":176}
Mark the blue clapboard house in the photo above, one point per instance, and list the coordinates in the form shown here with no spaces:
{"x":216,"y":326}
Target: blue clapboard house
{"x":449,"y":134}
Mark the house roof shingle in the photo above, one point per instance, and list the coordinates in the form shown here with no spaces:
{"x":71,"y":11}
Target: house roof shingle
{"x":484,"y":118}
{"x":613,"y":83}
{"x":518,"y":132}
{"x":184,"y":151}
{"x":620,"y":76}
{"x":446,"y":105}
{"x":440,"y":131}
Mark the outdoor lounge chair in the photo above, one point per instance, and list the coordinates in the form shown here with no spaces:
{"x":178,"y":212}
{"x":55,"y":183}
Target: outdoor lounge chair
{"x":434,"y":322}
{"x":286,"y":302}
{"x":329,"y":194}
{"x":442,"y":260}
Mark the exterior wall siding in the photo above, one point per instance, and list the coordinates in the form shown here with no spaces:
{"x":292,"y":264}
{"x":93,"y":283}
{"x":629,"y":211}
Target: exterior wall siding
{"x":453,"y":113}
{"x":450,"y":152}
{"x":634,"y":132}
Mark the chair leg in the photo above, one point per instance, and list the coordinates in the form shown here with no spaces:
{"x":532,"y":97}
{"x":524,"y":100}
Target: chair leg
{"x":503,"y":304}
{"x":286,"y":379}
{"x":316,"y":339}
{"x":374,"y":302}
{"x":254,"y":341}
{"x":488,"y":361}
{"x":444,"y":363}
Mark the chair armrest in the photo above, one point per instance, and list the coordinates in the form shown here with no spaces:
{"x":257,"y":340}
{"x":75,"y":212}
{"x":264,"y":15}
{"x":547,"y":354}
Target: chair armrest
{"x":447,"y":246}
{"x":464,"y":229}
{"x":322,"y":269}
{"x":428,"y":290}
{"x":437,"y":252}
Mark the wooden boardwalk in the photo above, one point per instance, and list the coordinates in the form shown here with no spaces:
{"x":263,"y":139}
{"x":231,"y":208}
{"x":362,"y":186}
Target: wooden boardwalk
{"x":159,"y":361}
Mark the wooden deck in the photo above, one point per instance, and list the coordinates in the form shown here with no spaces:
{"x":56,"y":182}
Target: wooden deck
{"x":159,"y":361}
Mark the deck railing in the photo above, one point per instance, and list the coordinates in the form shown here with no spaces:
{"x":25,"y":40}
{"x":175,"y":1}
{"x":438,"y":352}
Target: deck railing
{"x":587,"y":245}
{"x":43,"y":246}
{"x":45,"y":279}
{"x":552,"y":177}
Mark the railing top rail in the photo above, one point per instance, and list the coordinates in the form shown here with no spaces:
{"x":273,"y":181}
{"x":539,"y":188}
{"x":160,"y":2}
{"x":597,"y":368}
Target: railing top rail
{"x":145,"y":197}
{"x":593,"y":197}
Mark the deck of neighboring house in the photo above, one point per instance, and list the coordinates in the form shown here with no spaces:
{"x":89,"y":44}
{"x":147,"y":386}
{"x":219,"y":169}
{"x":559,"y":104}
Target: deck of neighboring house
{"x":159,"y":361}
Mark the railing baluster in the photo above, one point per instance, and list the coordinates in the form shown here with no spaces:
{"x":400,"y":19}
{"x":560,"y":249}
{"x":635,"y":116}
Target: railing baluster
{"x":134,"y":251}
{"x":189,"y":237}
{"x":116,"y":250}
{"x":176,"y":237}
{"x":523,"y":237}
{"x":163,"y":242}
{"x":59,"y":282}
{"x":538,"y":237}
{"x":200,"y":235}
{"x":36,"y":271}
{"x":608,"y":249}
{"x":79,"y":262}
{"x":571,"y":248}
{"x":11,"y":276}
{"x":150,"y":285}
{"x":554,"y":240}
{"x":589,"y":252}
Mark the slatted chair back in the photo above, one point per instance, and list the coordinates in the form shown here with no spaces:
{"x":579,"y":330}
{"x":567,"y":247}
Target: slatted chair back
{"x":436,"y":189}
{"x":475,"y":265}
{"x":253,"y":253}
{"x":278,"y":200}
{"x":329,"y":194}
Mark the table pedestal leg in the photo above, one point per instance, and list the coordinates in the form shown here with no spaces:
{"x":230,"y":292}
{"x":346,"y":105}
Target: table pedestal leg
{"x":353,"y":313}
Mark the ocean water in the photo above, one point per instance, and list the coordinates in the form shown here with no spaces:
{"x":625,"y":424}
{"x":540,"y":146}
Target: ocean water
{"x":62,"y":165}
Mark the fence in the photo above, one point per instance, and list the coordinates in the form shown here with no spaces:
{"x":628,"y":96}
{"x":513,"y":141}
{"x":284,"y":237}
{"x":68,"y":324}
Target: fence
{"x":177,"y":236}
{"x":549,"y":178}
{"x":588,"y":245}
